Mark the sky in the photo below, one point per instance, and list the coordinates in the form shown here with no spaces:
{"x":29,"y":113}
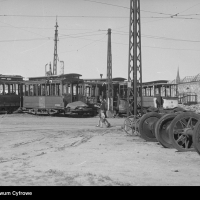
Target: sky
{"x":170,"y":37}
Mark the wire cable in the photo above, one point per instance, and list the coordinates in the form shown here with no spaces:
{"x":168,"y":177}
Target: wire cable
{"x":94,"y":41}
{"x":26,"y":30}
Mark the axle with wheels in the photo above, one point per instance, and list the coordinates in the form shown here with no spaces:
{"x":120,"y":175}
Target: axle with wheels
{"x":179,"y":130}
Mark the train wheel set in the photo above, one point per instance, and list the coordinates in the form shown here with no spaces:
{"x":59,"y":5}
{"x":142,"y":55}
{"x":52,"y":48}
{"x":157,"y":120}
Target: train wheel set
{"x":180,"y":130}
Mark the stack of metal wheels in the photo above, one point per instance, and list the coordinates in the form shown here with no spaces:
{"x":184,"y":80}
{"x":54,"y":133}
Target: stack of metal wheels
{"x":179,"y":130}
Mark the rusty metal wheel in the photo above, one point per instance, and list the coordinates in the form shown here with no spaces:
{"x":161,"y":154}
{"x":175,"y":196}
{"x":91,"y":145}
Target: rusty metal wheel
{"x":196,"y":137}
{"x":162,"y":128}
{"x":147,"y":126}
{"x":131,"y":124}
{"x":181,"y":131}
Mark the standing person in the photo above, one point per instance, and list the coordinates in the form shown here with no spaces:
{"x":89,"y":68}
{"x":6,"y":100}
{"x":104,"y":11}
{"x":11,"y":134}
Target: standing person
{"x":102,"y":114}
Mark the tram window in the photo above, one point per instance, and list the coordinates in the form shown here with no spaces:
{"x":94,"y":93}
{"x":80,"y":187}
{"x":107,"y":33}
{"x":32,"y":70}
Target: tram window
{"x":79,"y":91}
{"x":93,"y":91}
{"x":1,"y":89}
{"x":15,"y":89}
{"x":167,"y":92}
{"x":151,"y":91}
{"x":43,"y":90}
{"x":57,"y":90}
{"x":156,"y":91}
{"x":74,"y":90}
{"x":6,"y":88}
{"x":162,"y":91}
{"x":65,"y":88}
{"x":22,"y":91}
{"x":143,"y":92}
{"x":39,"y":89}
{"x":30,"y":90}
{"x":34,"y":90}
{"x":69,"y":89}
{"x":10,"y":88}
{"x":26,"y":90}
{"x":87,"y":91}
{"x":147,"y":92}
{"x":53,"y":89}
{"x":48,"y":90}
{"x":172,"y":92}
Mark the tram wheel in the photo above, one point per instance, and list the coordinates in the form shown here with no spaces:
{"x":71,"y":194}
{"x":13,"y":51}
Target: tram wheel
{"x":162,"y":129}
{"x":196,"y":137}
{"x":147,"y":126}
{"x":181,"y":131}
{"x":131,"y":124}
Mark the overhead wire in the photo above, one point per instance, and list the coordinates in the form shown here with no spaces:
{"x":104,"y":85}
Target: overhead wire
{"x":157,"y":37}
{"x":20,"y":40}
{"x":186,"y":9}
{"x":66,"y":36}
{"x":94,"y":41}
{"x":105,"y":17}
{"x":175,"y":16}
{"x":26,"y":30}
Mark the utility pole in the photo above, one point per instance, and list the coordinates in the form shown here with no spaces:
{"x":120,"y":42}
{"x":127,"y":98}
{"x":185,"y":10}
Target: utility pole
{"x":109,"y":78}
{"x":55,"y":57}
{"x":134,"y":94}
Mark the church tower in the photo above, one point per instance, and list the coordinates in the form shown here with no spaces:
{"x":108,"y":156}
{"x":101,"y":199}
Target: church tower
{"x":178,"y":80}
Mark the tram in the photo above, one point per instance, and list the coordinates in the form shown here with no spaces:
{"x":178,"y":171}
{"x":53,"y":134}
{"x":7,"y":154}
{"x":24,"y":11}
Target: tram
{"x":98,"y":87}
{"x":51,"y":94}
{"x":155,"y":94}
{"x":10,"y":93}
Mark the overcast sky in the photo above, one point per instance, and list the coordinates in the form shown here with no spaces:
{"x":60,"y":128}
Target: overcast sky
{"x":28,"y":28}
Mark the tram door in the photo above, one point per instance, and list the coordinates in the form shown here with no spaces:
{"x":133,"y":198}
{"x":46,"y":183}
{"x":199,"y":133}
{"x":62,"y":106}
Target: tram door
{"x":115,"y":95}
{"x":74,"y":92}
{"x":70,"y":93}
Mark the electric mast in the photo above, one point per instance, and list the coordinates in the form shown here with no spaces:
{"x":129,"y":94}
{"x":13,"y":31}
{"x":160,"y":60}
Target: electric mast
{"x":109,"y":77}
{"x":134,"y":93}
{"x":55,"y":57}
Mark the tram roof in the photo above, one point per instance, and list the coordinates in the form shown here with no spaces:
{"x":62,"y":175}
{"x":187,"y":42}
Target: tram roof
{"x":70,"y":75}
{"x":103,"y":79}
{"x":11,"y":77}
{"x":158,"y":82}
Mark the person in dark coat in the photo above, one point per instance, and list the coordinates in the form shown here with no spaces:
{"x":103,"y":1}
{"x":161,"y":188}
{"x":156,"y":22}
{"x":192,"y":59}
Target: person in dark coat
{"x":102,"y":114}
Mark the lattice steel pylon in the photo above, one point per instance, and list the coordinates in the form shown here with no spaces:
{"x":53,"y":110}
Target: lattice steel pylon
{"x":134,"y":93}
{"x":55,"y":56}
{"x":109,"y":74}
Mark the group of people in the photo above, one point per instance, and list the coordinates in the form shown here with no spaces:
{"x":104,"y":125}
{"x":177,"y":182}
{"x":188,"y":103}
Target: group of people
{"x":102,"y":114}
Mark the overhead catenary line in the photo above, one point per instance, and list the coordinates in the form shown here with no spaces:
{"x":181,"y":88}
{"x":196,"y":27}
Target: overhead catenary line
{"x":127,"y":7}
{"x":94,"y":41}
{"x":70,"y":29}
{"x":161,"y":13}
{"x":20,"y":40}
{"x":172,"y":48}
{"x":93,"y":16}
{"x":178,"y":14}
{"x":62,"y":16}
{"x":26,"y":30}
{"x":65,"y":36}
{"x":156,"y":37}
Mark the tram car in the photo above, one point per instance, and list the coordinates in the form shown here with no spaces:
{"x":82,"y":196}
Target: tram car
{"x":98,"y":87}
{"x":155,"y":94}
{"x":53,"y":94}
{"x":10,"y":93}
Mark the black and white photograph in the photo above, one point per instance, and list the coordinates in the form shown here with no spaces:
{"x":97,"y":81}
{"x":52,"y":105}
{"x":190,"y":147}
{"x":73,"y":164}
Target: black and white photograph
{"x":99,"y":93}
